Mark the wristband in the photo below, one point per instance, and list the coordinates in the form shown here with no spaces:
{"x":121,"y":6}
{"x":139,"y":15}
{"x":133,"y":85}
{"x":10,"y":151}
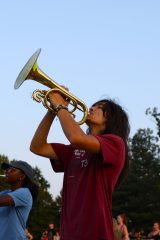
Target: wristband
{"x":59,"y":107}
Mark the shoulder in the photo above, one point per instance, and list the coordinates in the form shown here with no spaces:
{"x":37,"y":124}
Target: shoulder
{"x":20,"y":191}
{"x":111,"y":139}
{"x":112,"y":149}
{"x":21,"y":196}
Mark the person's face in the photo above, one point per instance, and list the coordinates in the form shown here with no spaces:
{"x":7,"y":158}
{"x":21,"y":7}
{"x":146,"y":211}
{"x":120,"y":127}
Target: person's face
{"x":13,"y":175}
{"x":156,"y":226}
{"x":96,"y":115}
{"x":51,"y":226}
{"x":119,"y":219}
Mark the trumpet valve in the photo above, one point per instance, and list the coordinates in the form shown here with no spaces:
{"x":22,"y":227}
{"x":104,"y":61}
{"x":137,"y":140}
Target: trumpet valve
{"x":38,"y":95}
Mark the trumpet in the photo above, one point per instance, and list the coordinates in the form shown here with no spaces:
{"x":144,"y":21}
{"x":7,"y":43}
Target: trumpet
{"x":33,"y":72}
{"x":2,"y":175}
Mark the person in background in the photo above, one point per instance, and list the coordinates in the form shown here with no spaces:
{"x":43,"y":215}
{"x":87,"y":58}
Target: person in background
{"x":93,"y":164}
{"x":133,"y":234}
{"x":51,"y":231}
{"x":16,"y":202}
{"x":44,"y":235}
{"x":155,"y":234}
{"x":28,"y":234}
{"x":117,"y":233}
{"x":122,"y":226}
{"x":56,"y":236}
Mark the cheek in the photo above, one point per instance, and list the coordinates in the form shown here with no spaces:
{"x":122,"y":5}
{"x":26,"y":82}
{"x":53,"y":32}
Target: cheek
{"x":13,"y":177}
{"x":101,"y":114}
{"x":9,"y":179}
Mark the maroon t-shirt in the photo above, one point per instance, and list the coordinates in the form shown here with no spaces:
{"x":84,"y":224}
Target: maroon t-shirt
{"x":89,"y":180}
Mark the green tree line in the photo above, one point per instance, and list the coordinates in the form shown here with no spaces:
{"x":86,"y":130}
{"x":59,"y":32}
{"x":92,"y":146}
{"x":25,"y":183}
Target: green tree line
{"x":138,"y":197}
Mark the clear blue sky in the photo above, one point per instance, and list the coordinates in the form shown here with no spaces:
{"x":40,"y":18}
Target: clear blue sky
{"x":95,"y":48}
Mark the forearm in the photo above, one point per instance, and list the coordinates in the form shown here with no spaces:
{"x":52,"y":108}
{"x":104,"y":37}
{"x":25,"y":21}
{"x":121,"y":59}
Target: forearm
{"x":41,"y":134}
{"x":6,"y":200}
{"x":71,"y":129}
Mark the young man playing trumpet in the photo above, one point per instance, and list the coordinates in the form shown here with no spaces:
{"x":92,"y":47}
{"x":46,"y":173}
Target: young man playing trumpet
{"x":92,"y":163}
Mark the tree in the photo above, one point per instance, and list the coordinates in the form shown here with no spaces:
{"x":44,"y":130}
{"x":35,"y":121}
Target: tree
{"x":3,"y":185}
{"x":138,"y":196}
{"x":156,"y":116}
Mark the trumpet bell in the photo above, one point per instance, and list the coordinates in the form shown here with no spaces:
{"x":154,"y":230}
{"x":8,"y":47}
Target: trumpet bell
{"x":33,"y":72}
{"x":23,"y":75}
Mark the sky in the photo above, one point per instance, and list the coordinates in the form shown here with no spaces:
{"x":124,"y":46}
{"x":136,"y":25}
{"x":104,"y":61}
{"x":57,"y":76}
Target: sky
{"x":97,"y":49}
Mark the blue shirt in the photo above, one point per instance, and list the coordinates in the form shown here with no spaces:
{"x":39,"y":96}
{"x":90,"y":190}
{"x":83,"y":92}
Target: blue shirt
{"x":13,"y":218}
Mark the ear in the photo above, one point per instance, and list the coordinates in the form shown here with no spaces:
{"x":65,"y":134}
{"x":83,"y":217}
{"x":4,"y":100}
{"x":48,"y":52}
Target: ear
{"x":22,"y":176}
{"x":105,"y":114}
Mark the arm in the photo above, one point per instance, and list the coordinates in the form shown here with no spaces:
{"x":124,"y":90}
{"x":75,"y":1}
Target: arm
{"x":39,"y":143}
{"x":71,"y":129}
{"x":29,"y":236}
{"x":125,"y":232}
{"x":6,"y":200}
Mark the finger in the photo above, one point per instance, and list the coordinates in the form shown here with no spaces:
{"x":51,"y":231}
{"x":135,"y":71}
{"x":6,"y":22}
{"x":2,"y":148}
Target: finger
{"x":67,"y":89}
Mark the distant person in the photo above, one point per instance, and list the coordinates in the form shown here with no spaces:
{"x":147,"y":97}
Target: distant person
{"x":122,"y":226}
{"x":92,"y":164}
{"x":51,"y":231}
{"x":155,"y":233}
{"x":57,"y":236}
{"x":44,"y":235}
{"x":117,"y":233}
{"x":133,"y":234}
{"x":16,"y":202}
{"x":28,"y":234}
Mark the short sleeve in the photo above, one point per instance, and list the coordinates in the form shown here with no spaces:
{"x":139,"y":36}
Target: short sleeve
{"x":21,"y":197}
{"x":113,"y":148}
{"x":64,"y":153}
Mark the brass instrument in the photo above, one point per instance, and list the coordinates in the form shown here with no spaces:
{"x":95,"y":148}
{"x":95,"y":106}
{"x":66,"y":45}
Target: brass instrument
{"x":2,"y":175}
{"x":33,"y":72}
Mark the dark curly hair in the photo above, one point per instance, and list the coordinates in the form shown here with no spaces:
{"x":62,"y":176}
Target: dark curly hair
{"x":33,"y":187}
{"x":116,"y":123}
